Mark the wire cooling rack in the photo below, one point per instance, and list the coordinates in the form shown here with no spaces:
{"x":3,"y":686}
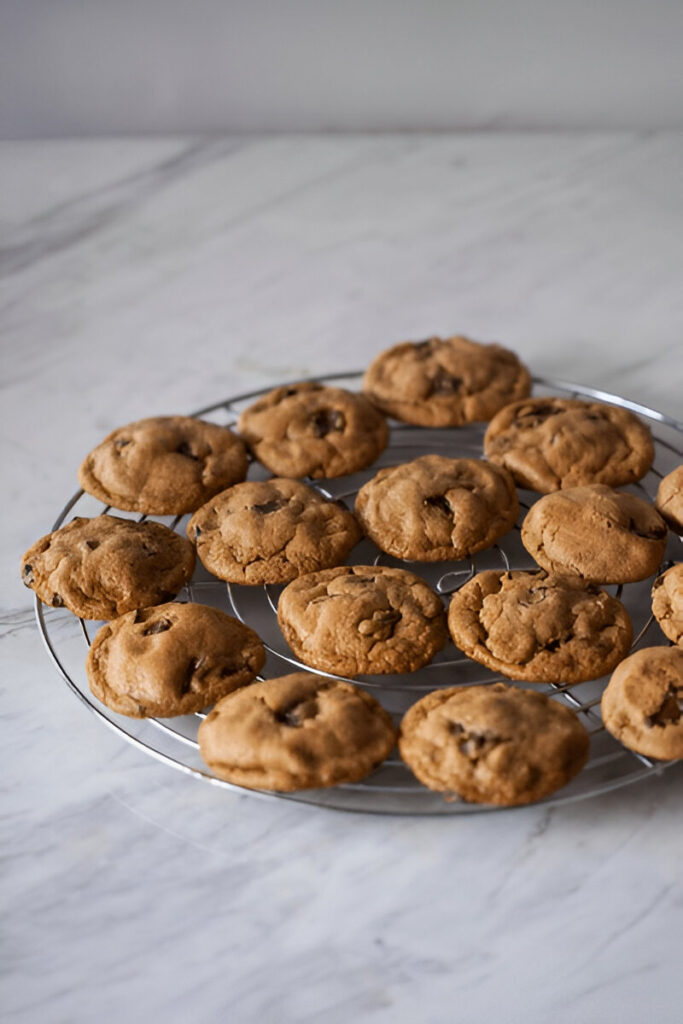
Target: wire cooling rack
{"x":392,"y":788}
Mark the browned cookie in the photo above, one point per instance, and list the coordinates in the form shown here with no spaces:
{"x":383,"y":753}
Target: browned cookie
{"x":296,"y":732}
{"x":641,"y":706}
{"x":310,"y":430}
{"x":445,"y":382}
{"x":174,"y":659}
{"x":551,"y":443}
{"x":271,"y":532}
{"x":667,"y":602}
{"x":435,"y":508}
{"x":669,"y":501}
{"x":538,"y":627}
{"x":602,"y":535}
{"x":166,"y":465}
{"x":100,"y":568}
{"x":493,"y":744}
{"x":362,"y":619}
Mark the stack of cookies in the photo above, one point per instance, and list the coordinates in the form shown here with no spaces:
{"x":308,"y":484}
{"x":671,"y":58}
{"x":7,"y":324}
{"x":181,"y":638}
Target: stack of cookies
{"x":497,"y":743}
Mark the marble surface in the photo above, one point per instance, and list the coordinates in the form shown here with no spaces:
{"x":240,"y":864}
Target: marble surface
{"x":143,"y":277}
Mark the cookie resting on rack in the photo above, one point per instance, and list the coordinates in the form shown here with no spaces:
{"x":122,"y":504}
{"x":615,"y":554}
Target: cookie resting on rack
{"x":174,"y":659}
{"x":271,"y":531}
{"x":295,"y":732}
{"x":493,"y":744}
{"x":445,"y":382}
{"x":641,"y":705}
{"x":669,"y":501}
{"x":166,"y":465}
{"x":550,"y":443}
{"x":103,"y":567}
{"x":667,"y":603}
{"x":362,"y":619}
{"x":539,"y":627}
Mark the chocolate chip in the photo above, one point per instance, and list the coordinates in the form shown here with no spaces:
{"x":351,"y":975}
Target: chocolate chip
{"x":197,"y":532}
{"x":669,"y":712}
{"x":28,"y":575}
{"x":92,"y":544}
{"x":190,"y":673}
{"x":439,"y":501}
{"x":444,"y":382}
{"x":269,"y":506}
{"x":382,"y":624}
{"x":121,"y":443}
{"x":184,"y":449}
{"x":554,"y":645}
{"x":157,"y":627}
{"x":57,"y":601}
{"x":294,"y":715}
{"x":327,"y":420}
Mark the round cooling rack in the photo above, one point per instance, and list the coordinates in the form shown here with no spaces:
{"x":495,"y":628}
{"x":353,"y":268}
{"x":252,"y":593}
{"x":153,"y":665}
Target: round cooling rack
{"x":391,"y":788}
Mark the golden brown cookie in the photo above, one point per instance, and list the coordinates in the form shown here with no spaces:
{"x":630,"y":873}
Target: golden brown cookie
{"x":601,"y":535}
{"x":310,"y":430}
{"x":271,"y":532}
{"x":667,"y":603}
{"x":445,"y":382}
{"x":538,"y":627}
{"x":174,"y":659}
{"x":296,"y":732}
{"x":552,"y":443}
{"x":103,"y":567}
{"x":362,"y":619}
{"x":166,"y":465}
{"x":641,"y":706}
{"x":435,"y":508}
{"x":669,"y":502}
{"x":493,"y":744}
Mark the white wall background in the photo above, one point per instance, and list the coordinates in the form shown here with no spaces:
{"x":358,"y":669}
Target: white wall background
{"x":74,"y":67}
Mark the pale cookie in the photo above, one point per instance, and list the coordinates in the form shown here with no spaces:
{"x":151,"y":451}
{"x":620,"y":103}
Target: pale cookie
{"x":166,"y":465}
{"x":667,"y":603}
{"x":669,"y":502}
{"x":362,"y":619}
{"x":552,"y":443}
{"x":310,"y":430}
{"x":296,"y":732}
{"x":445,"y":382}
{"x":539,"y":628}
{"x":601,"y":535}
{"x":641,"y":706}
{"x":435,"y":508}
{"x":271,"y":532}
{"x":103,"y":567}
{"x":174,"y":659}
{"x":493,"y":744}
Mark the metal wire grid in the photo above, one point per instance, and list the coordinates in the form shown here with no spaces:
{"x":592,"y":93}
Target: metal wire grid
{"x":391,"y":788}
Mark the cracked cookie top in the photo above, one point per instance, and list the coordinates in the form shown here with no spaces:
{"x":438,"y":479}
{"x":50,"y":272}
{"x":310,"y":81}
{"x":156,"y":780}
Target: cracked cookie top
{"x":435,"y":508}
{"x":551,"y":443}
{"x":667,"y":603}
{"x":362,"y":619}
{"x":539,"y":628}
{"x":493,"y":744}
{"x":641,"y":705}
{"x":174,"y":659}
{"x":601,"y":535}
{"x":310,"y":430}
{"x":445,"y":382}
{"x":166,"y":465}
{"x":669,"y":502}
{"x":296,"y":732}
{"x":271,"y":532}
{"x":103,"y":567}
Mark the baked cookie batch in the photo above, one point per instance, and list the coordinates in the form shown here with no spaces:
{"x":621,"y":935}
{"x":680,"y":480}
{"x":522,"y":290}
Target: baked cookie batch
{"x":496,"y":744}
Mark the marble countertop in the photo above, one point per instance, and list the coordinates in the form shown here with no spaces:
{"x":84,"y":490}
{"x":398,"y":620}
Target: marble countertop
{"x":156,"y":276}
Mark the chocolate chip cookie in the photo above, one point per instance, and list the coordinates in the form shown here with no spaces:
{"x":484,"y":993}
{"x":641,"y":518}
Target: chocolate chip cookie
{"x":445,"y":382}
{"x":538,"y":627}
{"x":435,"y":508}
{"x":103,"y":567}
{"x":310,"y":430}
{"x":669,"y":502}
{"x":493,"y":744}
{"x":296,"y":732}
{"x":641,"y":705}
{"x":174,"y":659}
{"x":667,"y":603}
{"x":166,"y":465}
{"x":601,"y":535}
{"x":551,"y":443}
{"x":362,"y":619}
{"x":271,"y":532}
